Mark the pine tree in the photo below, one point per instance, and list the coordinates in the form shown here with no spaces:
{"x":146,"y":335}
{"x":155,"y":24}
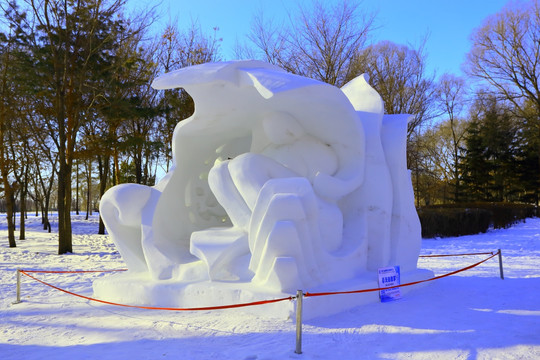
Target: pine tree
{"x":489,"y":162}
{"x":474,"y":167}
{"x":498,"y":135}
{"x":527,"y":162}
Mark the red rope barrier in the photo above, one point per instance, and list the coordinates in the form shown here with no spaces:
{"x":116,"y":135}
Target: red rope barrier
{"x":482,"y":253}
{"x":255,"y":303}
{"x":160,"y":308}
{"x":402,"y":285}
{"x":71,"y":272}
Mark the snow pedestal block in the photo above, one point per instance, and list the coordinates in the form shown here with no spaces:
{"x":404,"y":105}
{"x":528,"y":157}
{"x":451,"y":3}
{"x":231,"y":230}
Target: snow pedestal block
{"x":218,"y":247}
{"x":131,"y":289}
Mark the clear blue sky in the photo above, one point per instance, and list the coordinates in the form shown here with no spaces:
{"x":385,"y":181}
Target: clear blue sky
{"x":448,"y":23}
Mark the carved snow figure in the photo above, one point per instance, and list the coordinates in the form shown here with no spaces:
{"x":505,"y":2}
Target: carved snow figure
{"x":280,"y":183}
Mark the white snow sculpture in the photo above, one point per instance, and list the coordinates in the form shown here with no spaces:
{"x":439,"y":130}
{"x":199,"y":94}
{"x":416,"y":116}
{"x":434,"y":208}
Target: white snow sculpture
{"x":280,"y":183}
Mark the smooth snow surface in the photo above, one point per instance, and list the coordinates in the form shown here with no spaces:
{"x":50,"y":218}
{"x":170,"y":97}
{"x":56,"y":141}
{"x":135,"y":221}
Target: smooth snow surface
{"x":472,"y":315}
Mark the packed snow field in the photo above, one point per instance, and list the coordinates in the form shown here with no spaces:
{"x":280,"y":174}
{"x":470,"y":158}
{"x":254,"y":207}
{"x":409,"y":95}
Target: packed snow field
{"x":471,"y":315}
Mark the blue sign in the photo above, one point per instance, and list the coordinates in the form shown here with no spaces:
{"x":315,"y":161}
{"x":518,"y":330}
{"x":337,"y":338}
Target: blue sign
{"x":389,"y":277}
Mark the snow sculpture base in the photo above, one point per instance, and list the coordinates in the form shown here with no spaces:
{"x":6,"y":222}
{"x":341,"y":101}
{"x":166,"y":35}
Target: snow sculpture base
{"x":131,"y":289}
{"x":280,"y":183}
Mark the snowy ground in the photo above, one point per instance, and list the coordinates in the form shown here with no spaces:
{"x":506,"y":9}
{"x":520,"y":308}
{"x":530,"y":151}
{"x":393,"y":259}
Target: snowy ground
{"x":472,"y":315}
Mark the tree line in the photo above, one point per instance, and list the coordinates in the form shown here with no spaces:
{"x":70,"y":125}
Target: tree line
{"x":78,"y":115}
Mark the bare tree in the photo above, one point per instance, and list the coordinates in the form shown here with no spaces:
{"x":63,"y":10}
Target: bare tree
{"x":451,"y":97}
{"x":506,"y":54}
{"x":318,"y":42}
{"x":398,"y":73}
{"x":177,"y":49}
{"x":174,"y":50}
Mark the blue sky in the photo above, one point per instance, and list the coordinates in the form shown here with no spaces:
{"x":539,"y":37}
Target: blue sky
{"x":448,"y":24}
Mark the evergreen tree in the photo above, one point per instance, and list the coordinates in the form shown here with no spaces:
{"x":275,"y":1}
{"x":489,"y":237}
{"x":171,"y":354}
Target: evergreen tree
{"x":489,"y":162}
{"x":527,"y":162}
{"x":474,"y":167}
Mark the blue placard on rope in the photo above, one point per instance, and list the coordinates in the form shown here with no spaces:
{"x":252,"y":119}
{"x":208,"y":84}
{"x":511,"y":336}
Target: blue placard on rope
{"x":388,"y":277}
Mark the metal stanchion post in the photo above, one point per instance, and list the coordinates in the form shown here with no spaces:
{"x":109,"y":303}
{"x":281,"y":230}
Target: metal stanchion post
{"x":18,"y":287}
{"x":299,"y":298}
{"x":500,"y":264}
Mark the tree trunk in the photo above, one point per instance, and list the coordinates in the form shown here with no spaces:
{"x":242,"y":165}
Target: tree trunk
{"x":456,"y":160}
{"x":116,"y":178}
{"x":47,"y":202}
{"x":8,"y":193}
{"x":138,"y":167}
{"x":14,"y":201}
{"x":45,"y":214}
{"x":22,"y":228}
{"x":456,"y":175}
{"x":103,"y":168}
{"x":88,"y":189}
{"x":537,"y":191}
{"x":64,"y":182}
{"x":77,"y":190}
{"x":64,"y":213}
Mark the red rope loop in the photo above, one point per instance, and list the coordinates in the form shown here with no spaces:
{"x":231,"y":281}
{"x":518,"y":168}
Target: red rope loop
{"x":24,"y":272}
{"x":255,"y":303}
{"x":469,"y":254}
{"x":70,"y":272}
{"x":402,"y":285}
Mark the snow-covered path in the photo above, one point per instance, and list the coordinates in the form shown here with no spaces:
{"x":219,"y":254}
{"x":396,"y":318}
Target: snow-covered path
{"x":472,"y":315}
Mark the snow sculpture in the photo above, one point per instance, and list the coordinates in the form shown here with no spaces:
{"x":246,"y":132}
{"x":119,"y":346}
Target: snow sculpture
{"x":280,"y":183}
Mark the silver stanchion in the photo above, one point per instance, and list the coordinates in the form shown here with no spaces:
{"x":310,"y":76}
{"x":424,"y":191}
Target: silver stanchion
{"x":299,"y":298}
{"x":500,"y":264}
{"x":18,"y":287}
